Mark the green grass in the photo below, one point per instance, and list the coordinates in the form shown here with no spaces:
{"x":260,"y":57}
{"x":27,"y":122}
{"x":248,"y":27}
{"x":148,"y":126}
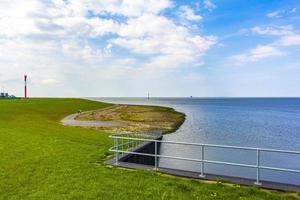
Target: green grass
{"x":41,"y":159}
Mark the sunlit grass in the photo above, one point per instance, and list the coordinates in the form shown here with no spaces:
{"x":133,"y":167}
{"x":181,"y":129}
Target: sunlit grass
{"x":42,"y":159}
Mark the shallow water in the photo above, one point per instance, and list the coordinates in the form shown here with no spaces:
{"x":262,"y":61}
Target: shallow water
{"x":249,"y":122}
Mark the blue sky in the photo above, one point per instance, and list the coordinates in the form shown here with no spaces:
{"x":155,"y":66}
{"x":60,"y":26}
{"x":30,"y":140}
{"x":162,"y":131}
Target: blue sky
{"x":205,"y":48}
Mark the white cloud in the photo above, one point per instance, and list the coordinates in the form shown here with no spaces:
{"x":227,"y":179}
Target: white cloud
{"x":282,"y":13}
{"x":147,"y":25}
{"x":126,"y":8}
{"x":294,"y":10}
{"x":34,"y":16}
{"x":59,"y":42}
{"x":256,"y":54}
{"x":208,"y":4}
{"x":275,"y":14}
{"x":289,"y":40}
{"x":171,"y":45}
{"x":274,"y":30}
{"x":287,"y":35}
{"x":14,"y":17}
{"x":130,"y":8}
{"x":263,"y":51}
{"x":188,"y":13}
{"x":102,"y":26}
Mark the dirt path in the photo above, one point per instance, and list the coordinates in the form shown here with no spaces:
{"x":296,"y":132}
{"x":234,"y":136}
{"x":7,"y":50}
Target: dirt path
{"x":128,"y":118}
{"x":70,"y":121}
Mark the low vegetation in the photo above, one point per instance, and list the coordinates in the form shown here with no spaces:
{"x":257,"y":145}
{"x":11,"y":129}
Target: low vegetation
{"x":138,"y":118}
{"x":42,"y":159}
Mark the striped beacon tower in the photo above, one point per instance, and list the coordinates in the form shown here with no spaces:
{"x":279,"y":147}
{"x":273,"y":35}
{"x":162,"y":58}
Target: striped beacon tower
{"x":25,"y":87}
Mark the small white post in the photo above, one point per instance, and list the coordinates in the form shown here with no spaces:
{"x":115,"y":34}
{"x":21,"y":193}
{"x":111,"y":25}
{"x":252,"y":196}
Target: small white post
{"x":127,"y":142}
{"x":257,"y":182}
{"x":202,"y":162}
{"x":155,"y":155}
{"x":117,"y":153}
{"x":122,"y":143}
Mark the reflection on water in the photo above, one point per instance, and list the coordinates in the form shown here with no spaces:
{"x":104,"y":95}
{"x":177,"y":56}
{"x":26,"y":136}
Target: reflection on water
{"x":248,"y":122}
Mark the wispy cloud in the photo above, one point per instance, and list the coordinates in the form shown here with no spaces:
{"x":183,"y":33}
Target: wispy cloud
{"x":273,"y":30}
{"x":282,"y":13}
{"x":208,"y":4}
{"x":275,"y":14}
{"x":287,"y":36}
{"x":188,"y":13}
{"x":256,"y":54}
{"x":294,"y":10}
{"x":289,"y":40}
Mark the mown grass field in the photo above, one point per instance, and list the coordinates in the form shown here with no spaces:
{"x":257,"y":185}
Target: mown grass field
{"x":42,"y":159}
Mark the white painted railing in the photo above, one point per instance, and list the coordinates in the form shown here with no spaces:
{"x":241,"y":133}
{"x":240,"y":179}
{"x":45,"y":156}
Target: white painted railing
{"x":126,"y":143}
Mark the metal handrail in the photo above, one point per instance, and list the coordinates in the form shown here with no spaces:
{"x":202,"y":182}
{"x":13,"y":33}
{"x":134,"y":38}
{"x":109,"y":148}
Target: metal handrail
{"x":209,"y":145}
{"x":258,"y":166}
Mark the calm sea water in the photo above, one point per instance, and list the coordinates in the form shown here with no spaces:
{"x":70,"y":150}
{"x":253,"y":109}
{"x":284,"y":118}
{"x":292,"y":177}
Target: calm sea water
{"x":248,"y":122}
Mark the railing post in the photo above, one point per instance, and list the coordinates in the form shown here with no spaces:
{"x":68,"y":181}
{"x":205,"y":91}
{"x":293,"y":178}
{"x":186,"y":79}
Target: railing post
{"x":155,"y":158}
{"x":115,"y":147}
{"x":127,"y":142}
{"x":202,"y":162}
{"x":122,"y":143}
{"x":257,"y":182}
{"x":117,"y":153}
{"x":130,"y":141}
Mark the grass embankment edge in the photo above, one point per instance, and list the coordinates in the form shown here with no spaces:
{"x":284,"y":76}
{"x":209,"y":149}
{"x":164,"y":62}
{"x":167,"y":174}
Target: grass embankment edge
{"x":42,"y":159}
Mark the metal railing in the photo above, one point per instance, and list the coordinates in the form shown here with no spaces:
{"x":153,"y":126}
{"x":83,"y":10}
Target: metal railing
{"x":129,"y":142}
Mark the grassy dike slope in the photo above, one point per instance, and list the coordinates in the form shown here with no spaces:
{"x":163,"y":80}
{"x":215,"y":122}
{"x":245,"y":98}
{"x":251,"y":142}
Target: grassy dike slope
{"x":42,"y":159}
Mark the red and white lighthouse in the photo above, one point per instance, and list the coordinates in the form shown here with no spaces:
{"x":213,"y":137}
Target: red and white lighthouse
{"x":25,"y":87}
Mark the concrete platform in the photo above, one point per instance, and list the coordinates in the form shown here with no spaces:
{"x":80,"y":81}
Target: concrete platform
{"x":195,"y":175}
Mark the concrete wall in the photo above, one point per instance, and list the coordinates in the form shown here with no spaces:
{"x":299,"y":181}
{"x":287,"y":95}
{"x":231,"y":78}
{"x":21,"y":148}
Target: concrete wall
{"x":147,"y":147}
